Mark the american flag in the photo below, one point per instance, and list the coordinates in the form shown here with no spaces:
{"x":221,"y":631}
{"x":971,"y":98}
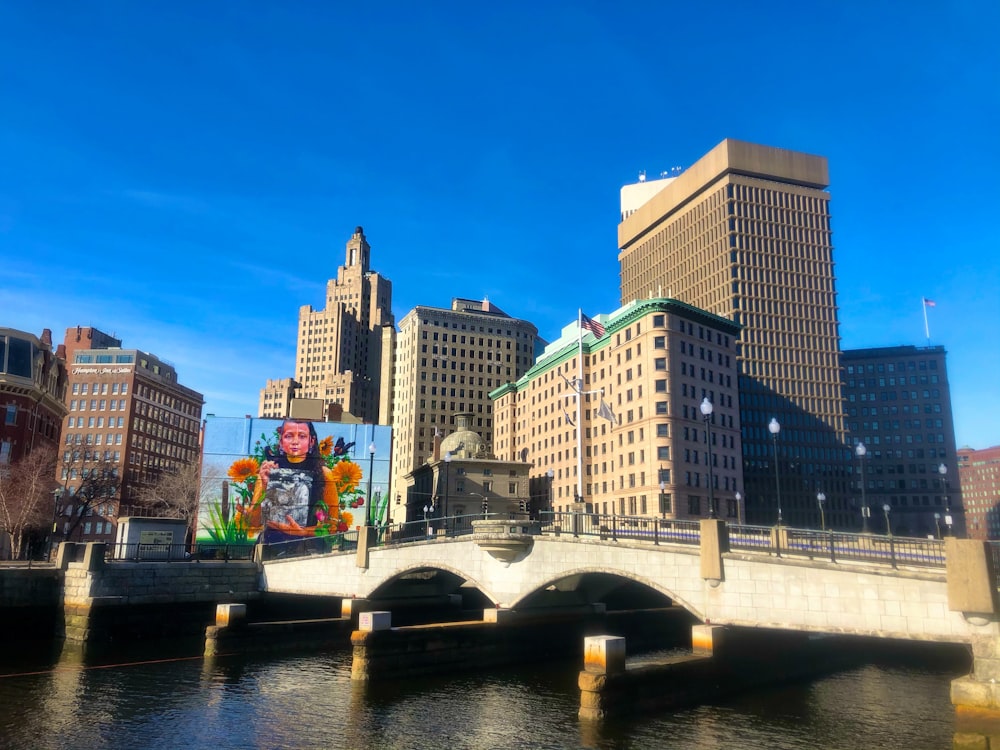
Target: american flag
{"x":929,"y":302}
{"x":591,"y":325}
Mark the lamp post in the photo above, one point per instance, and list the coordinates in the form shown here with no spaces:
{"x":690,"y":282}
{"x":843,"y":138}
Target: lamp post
{"x":447,"y":463}
{"x":56,"y":495}
{"x":551,"y":475}
{"x":888,"y":526}
{"x":821,"y":500}
{"x":663,"y":500}
{"x":706,"y":412}
{"x":860,"y":450}
{"x":427,"y":525}
{"x":775,"y":428}
{"x":943,"y":471}
{"x":739,"y":511}
{"x":937,"y":524}
{"x":371,"y":476}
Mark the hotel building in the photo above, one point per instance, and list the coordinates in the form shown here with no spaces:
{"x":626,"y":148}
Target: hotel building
{"x":744,"y":234}
{"x":128,"y":421}
{"x":644,"y":447}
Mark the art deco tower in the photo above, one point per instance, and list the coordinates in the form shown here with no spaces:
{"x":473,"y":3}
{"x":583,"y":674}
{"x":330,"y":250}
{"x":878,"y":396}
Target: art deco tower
{"x":744,"y":233}
{"x":344,"y":351}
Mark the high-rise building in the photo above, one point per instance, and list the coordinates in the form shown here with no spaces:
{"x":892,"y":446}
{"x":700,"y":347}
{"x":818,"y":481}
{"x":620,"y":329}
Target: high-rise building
{"x":979,"y":479}
{"x":898,"y":406}
{"x":644,"y":440}
{"x":276,"y":398}
{"x":447,"y":362}
{"x":744,"y":233}
{"x":129,"y":420}
{"x":32,"y":388}
{"x":344,"y":351}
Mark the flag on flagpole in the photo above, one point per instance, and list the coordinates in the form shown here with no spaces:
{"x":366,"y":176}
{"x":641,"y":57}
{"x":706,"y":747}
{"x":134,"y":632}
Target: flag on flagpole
{"x":569,"y":419}
{"x":591,"y":325}
{"x":605,"y":411}
{"x":929,"y":302}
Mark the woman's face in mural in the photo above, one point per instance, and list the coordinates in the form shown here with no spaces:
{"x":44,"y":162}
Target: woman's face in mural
{"x":295,"y":440}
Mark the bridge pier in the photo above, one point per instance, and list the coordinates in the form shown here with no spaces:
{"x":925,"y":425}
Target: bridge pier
{"x":972,"y":590}
{"x":723,"y":661}
{"x":502,"y":637}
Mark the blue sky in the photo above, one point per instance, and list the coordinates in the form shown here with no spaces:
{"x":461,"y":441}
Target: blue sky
{"x":186,"y":174}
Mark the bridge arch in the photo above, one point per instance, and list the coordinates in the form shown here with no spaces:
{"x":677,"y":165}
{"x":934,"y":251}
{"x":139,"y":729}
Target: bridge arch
{"x":583,"y":573}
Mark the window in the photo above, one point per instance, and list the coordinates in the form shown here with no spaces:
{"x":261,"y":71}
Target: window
{"x":11,"y":417}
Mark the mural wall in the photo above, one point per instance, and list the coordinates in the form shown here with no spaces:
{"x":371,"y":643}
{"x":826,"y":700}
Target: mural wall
{"x":279,"y":480}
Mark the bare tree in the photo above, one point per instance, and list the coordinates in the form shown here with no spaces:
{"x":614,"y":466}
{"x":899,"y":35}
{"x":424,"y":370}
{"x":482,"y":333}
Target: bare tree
{"x":174,"y":494}
{"x":100,"y":483}
{"x":26,"y":496}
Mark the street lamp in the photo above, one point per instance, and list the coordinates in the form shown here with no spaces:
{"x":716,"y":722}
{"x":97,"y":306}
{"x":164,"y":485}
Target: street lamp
{"x":943,"y":471}
{"x":937,"y":524}
{"x":739,"y":511}
{"x":663,"y":499}
{"x":428,"y":509}
{"x":447,"y":463}
{"x":56,"y":495}
{"x":860,"y":450}
{"x":888,"y":526}
{"x":551,"y":475}
{"x":775,"y":428}
{"x":821,"y":500}
{"x":706,"y":412}
{"x":371,"y":475}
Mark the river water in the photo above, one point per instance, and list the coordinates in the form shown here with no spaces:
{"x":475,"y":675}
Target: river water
{"x":159,"y":699}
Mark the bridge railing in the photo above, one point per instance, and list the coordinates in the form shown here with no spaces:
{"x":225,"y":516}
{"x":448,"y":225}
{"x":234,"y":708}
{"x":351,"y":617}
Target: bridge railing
{"x":147,"y":552}
{"x":614,"y":527}
{"x":310,"y":545}
{"x":774,"y":540}
{"x":893,"y":550}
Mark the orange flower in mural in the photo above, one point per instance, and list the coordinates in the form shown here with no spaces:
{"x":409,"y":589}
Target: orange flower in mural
{"x":346,"y":475}
{"x":347,"y":519}
{"x":243,"y":468}
{"x":326,"y":446}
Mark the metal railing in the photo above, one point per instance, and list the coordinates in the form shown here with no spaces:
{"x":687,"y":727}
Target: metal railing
{"x":140,"y":552}
{"x":310,"y":545}
{"x":779,"y":541}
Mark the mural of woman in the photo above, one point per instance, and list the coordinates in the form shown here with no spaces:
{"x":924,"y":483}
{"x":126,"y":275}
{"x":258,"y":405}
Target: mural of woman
{"x":291,"y":480}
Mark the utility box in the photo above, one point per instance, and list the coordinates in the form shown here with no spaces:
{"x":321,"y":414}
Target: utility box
{"x":150,"y":539}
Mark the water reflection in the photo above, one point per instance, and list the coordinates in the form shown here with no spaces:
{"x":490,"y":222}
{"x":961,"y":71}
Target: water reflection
{"x":75,"y":700}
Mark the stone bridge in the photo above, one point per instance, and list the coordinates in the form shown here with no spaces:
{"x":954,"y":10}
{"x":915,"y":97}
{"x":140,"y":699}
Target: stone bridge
{"x":520,"y":569}
{"x":784,"y":586}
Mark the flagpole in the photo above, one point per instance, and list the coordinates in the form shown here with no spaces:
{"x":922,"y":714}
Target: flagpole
{"x":579,"y":408}
{"x":927,"y":330}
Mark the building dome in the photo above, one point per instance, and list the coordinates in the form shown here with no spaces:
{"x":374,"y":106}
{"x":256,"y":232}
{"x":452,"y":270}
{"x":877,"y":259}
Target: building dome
{"x":463,"y":442}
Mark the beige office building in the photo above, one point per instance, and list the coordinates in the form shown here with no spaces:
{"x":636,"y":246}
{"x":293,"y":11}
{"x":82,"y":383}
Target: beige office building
{"x":344,"y":351}
{"x":447,"y":362}
{"x":649,"y":452}
{"x":744,"y":233}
